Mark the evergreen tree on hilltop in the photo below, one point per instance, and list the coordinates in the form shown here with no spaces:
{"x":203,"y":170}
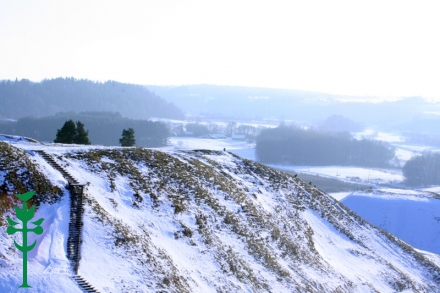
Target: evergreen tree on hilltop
{"x":67,"y":133}
{"x":82,"y":136}
{"x":127,"y":138}
{"x":71,"y":133}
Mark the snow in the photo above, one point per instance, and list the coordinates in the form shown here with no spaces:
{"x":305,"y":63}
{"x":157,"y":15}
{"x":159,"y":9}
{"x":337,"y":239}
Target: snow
{"x":349,"y":174}
{"x":415,"y":148}
{"x":432,"y":189}
{"x":241,"y":148}
{"x":403,"y":150}
{"x":388,"y":137}
{"x":413,"y":216}
{"x":404,"y":155}
{"x":359,"y":255}
{"x":342,"y":253}
{"x":48,"y":266}
{"x":379,"y":135}
{"x":16,"y":139}
{"x":435,"y":258}
{"x":340,"y":195}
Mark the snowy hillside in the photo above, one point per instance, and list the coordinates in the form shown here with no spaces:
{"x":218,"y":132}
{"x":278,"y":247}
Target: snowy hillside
{"x":413,"y":216}
{"x":205,"y":221}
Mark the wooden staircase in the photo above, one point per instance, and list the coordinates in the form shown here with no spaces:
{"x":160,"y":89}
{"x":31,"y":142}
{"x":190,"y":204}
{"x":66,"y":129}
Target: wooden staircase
{"x":83,"y":284}
{"x":54,"y":164}
{"x":75,"y":225}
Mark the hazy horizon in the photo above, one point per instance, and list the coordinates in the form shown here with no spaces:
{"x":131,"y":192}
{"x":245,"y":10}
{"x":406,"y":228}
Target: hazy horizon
{"x":338,"y":97}
{"x":370,"y":49}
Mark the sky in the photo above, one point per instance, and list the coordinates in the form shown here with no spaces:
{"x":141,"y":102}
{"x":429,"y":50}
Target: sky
{"x":371,"y":48}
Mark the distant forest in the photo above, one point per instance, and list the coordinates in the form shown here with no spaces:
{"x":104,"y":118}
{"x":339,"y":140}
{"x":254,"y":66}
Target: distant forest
{"x":105,"y":128}
{"x":422,"y":170}
{"x":292,"y":145}
{"x":25,"y":98}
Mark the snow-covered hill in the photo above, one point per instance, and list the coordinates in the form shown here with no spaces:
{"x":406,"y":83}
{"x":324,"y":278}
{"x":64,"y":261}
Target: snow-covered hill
{"x":205,"y":221}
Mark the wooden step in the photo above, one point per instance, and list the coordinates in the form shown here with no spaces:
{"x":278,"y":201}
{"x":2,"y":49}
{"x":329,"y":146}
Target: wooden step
{"x":83,"y":284}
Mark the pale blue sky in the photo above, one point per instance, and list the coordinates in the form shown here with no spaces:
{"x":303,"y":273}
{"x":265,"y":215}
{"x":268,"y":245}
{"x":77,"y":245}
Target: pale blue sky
{"x":378,"y":48}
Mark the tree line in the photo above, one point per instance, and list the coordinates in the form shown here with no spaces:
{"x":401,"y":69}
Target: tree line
{"x":422,"y":170}
{"x":292,"y":145}
{"x":25,"y":98}
{"x":199,"y":129}
{"x":76,"y":134}
{"x":103,"y":128}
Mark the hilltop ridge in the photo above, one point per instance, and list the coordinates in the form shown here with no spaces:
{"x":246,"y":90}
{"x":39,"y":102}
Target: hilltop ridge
{"x":209,"y":221}
{"x":22,"y":98}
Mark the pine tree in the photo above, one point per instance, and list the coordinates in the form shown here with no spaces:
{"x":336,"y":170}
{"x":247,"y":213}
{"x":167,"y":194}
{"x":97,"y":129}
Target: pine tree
{"x":67,"y":133}
{"x":71,"y":133}
{"x":82,"y":136}
{"x":127,"y":138}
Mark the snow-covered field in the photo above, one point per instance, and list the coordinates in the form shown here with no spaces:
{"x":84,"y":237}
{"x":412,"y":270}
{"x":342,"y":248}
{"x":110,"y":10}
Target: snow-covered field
{"x":241,"y":148}
{"x":349,"y":174}
{"x":413,"y":216}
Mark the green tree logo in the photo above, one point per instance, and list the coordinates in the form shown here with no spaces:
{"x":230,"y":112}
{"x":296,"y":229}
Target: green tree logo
{"x":25,"y":215}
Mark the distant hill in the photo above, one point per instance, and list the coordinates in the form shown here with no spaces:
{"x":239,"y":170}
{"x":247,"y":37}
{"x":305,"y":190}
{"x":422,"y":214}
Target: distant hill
{"x":427,"y":125}
{"x":301,"y":106}
{"x":338,"y":123}
{"x":236,"y":101}
{"x":25,"y":98}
